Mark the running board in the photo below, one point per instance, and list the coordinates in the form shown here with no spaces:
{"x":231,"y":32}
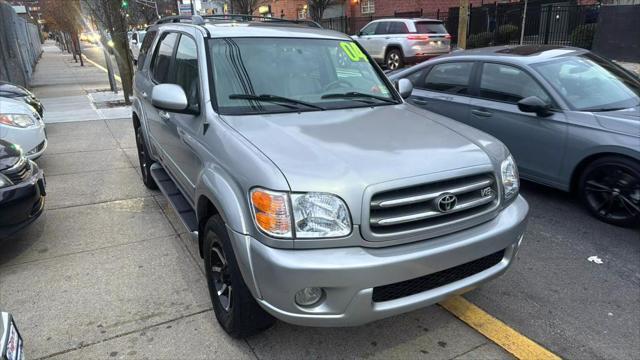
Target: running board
{"x":178,"y":202}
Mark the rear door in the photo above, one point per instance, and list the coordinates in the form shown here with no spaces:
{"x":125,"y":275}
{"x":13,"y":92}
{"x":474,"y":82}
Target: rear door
{"x":377,"y":41}
{"x":537,"y":143}
{"x":444,"y":88}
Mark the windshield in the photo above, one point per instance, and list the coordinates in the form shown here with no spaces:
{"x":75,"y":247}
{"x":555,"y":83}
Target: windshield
{"x":268,"y":75}
{"x":424,"y":27}
{"x":589,"y":83}
{"x":141,"y":35}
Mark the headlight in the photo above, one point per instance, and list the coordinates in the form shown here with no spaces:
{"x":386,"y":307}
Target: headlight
{"x":4,"y":181}
{"x":315,"y":215}
{"x":320,"y":215}
{"x":17,"y":120}
{"x":510,"y":179}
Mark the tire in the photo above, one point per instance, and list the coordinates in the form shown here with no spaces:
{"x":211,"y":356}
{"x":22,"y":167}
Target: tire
{"x":145,"y":161}
{"x":236,"y":310}
{"x":609,"y":187}
{"x":394,"y":59}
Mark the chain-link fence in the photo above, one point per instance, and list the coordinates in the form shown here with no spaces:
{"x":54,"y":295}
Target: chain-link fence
{"x":20,"y":47}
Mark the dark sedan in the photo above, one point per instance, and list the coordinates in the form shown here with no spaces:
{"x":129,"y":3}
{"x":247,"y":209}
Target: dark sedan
{"x":570,"y":118}
{"x":17,"y":92}
{"x":22,"y":189}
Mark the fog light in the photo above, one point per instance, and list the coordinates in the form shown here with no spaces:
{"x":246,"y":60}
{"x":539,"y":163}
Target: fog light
{"x":308,"y":296}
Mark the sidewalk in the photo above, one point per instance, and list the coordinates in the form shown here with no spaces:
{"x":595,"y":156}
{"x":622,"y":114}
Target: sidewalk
{"x":70,"y":92}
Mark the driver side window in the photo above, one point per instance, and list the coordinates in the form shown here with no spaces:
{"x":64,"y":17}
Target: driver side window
{"x":369,"y":29}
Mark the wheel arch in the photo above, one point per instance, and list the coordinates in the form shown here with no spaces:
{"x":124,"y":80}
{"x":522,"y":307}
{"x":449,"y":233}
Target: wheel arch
{"x":392,"y":46}
{"x":582,"y":165}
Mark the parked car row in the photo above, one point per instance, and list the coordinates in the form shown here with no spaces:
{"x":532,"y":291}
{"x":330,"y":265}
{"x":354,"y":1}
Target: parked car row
{"x":22,"y":140}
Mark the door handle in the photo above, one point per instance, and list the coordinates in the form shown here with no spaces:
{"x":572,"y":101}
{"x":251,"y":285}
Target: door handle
{"x":164,"y":115}
{"x":481,"y":113}
{"x":419,"y":102}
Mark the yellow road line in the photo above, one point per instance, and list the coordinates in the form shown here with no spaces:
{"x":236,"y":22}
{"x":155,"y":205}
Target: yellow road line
{"x":495,"y":330}
{"x":101,"y":67}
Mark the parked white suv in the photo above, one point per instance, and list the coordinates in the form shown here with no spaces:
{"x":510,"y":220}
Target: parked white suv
{"x":396,"y":42}
{"x":135,"y":42}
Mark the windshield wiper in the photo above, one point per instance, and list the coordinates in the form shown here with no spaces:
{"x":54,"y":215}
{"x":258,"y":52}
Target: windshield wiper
{"x":275,"y":99}
{"x":356,"y":95}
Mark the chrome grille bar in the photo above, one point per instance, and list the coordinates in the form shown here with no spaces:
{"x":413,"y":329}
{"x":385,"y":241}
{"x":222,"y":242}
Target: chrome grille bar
{"x":431,"y":195}
{"x":431,"y":213}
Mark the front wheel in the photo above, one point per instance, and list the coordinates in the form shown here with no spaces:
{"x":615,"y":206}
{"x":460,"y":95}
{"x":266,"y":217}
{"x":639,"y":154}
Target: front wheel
{"x":394,"y":59}
{"x":610,"y":189}
{"x":145,"y":160}
{"x":236,"y":310}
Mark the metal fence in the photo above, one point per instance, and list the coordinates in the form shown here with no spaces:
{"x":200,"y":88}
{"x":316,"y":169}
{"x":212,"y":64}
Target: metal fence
{"x":20,"y":47}
{"x":501,"y":23}
{"x":545,"y":23}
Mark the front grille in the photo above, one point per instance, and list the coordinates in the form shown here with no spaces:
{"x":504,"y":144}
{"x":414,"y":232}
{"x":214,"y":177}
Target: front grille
{"x":435,"y":280}
{"x":416,"y":207}
{"x":18,"y":172}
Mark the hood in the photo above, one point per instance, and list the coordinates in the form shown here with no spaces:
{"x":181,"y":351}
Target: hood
{"x":10,"y":106}
{"x":9,"y":154}
{"x":625,"y":121}
{"x":341,"y":151}
{"x":14,"y":89}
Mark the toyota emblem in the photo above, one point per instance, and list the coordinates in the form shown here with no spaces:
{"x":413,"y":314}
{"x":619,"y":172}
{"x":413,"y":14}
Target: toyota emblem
{"x":446,"y":202}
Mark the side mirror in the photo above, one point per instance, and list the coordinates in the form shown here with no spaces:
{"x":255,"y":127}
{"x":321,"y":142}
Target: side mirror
{"x":169,"y":97}
{"x":534,"y":104}
{"x":405,"y":87}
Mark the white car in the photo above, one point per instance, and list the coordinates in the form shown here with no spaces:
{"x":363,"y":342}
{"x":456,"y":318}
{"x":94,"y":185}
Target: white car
{"x":22,"y":125}
{"x":135,"y":42}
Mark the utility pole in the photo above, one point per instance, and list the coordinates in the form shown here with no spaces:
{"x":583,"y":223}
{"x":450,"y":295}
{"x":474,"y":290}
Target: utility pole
{"x":524,"y":17}
{"x":463,"y":21}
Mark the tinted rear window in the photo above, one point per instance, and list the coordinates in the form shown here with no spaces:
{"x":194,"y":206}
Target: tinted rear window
{"x":425,"y":27}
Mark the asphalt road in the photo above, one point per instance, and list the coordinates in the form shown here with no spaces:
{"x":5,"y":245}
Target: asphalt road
{"x":576,"y":308}
{"x":96,"y":54}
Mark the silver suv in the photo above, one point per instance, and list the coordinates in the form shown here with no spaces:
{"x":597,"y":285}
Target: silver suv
{"x":316,"y":194}
{"x":396,"y":42}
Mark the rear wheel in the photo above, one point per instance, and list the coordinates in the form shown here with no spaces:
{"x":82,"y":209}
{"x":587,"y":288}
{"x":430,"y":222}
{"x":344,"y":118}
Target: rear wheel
{"x":394,"y":59}
{"x":610,"y":188}
{"x":236,"y":310}
{"x":145,"y":161}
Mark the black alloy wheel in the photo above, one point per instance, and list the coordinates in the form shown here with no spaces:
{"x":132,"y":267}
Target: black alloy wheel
{"x":610,"y":188}
{"x":145,"y":161}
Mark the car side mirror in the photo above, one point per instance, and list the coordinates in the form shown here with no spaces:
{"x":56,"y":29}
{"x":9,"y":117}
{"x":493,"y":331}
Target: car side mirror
{"x":405,"y":87}
{"x":534,"y":104}
{"x":169,"y":97}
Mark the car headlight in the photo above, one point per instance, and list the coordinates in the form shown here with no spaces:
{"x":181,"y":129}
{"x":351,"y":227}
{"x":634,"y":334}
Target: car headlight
{"x":313,"y":215}
{"x":4,"y":181}
{"x":17,"y":120}
{"x":510,"y":179}
{"x":320,"y":215}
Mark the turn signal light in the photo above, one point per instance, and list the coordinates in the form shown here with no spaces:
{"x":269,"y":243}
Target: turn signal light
{"x":271,"y":212}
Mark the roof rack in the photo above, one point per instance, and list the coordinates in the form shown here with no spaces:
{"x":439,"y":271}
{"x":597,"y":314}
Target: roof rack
{"x":195,"y":19}
{"x":245,"y":17}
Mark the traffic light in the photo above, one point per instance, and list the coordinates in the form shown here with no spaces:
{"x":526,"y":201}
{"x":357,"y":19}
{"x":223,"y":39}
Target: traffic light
{"x":124,"y":4}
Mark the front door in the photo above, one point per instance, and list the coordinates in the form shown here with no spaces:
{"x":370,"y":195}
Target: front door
{"x":537,"y":143}
{"x":443,"y":88}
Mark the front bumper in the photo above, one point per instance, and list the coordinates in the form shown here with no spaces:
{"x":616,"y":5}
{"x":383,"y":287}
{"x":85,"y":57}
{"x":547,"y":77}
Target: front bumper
{"x":348,"y":275}
{"x":22,"y":204}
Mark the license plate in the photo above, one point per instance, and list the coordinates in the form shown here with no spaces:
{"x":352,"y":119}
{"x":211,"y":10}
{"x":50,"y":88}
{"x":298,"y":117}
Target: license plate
{"x":14,"y":346}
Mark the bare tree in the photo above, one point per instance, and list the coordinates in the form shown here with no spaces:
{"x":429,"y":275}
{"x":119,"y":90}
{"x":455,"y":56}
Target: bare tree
{"x":64,"y":16}
{"x":317,"y":8}
{"x":110,"y":17}
{"x":244,"y":6}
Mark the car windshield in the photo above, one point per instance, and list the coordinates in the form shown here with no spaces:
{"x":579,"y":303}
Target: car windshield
{"x":430,"y":27}
{"x":269,"y":75}
{"x":589,"y":83}
{"x":141,"y":35}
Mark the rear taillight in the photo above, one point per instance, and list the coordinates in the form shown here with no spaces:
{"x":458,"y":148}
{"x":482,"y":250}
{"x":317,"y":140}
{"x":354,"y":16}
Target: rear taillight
{"x":418,"y":37}
{"x":448,"y":37}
